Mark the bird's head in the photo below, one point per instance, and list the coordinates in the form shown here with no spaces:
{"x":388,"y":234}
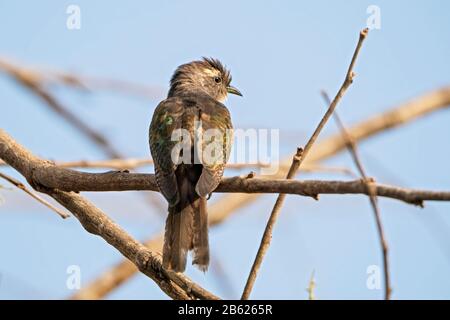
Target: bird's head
{"x":207,"y":75}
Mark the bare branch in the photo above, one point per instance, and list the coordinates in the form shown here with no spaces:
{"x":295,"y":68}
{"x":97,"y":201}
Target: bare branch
{"x":33,"y":83}
{"x":114,"y":277}
{"x":228,"y":205}
{"x":96,"y":222}
{"x":83,"y":82}
{"x":351,"y":146}
{"x":404,"y":113}
{"x":296,"y":162}
{"x":53,"y":177}
{"x":22,"y":187}
{"x":134,"y":163}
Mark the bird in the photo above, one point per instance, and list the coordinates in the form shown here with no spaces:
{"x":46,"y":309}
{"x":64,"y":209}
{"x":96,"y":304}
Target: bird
{"x":178,"y":145}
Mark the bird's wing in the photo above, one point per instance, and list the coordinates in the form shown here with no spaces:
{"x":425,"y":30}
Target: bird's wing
{"x":166,"y":118}
{"x":216,"y":145}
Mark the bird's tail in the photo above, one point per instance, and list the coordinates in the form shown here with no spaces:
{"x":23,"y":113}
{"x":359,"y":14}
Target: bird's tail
{"x":186,"y":229}
{"x":200,"y":240}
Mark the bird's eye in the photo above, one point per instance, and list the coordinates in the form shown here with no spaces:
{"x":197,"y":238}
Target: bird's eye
{"x":217,"y":80}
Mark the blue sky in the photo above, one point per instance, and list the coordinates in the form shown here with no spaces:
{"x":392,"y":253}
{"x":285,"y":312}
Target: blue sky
{"x":281,"y":55}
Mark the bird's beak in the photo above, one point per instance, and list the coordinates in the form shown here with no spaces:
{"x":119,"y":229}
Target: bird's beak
{"x":233,"y":90}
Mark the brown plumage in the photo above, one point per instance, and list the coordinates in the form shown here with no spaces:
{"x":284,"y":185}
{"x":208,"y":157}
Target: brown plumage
{"x":183,"y":175}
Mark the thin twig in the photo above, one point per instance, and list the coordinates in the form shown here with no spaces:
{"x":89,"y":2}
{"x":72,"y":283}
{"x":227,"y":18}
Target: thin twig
{"x":311,"y":287}
{"x":296,"y":162}
{"x":351,"y":146}
{"x":22,"y":187}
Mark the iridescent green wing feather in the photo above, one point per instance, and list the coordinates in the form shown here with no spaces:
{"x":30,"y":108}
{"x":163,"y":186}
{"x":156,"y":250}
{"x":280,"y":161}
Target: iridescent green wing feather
{"x":166,"y":118}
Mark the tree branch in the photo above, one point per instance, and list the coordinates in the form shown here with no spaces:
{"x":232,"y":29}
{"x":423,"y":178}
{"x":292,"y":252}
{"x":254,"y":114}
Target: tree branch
{"x":226,"y":206}
{"x":96,"y":222}
{"x":33,"y":82}
{"x":296,"y":162}
{"x":134,"y":163}
{"x":83,"y":82}
{"x":351,"y":146}
{"x":53,"y":177}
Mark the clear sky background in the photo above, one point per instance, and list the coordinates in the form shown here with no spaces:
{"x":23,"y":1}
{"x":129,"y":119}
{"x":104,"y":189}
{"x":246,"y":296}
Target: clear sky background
{"x":281,"y":53}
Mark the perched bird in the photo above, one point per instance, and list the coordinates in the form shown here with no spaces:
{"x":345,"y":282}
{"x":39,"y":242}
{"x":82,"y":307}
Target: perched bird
{"x":193,"y":107}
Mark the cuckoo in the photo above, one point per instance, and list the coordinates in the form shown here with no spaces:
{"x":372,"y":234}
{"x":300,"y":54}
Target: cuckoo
{"x":190,"y":140}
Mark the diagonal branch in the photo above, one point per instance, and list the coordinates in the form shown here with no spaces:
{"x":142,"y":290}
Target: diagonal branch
{"x":296,"y":162}
{"x":35,"y":83}
{"x":97,"y":222}
{"x":83,"y":82}
{"x":371,"y":189}
{"x":32,"y":82}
